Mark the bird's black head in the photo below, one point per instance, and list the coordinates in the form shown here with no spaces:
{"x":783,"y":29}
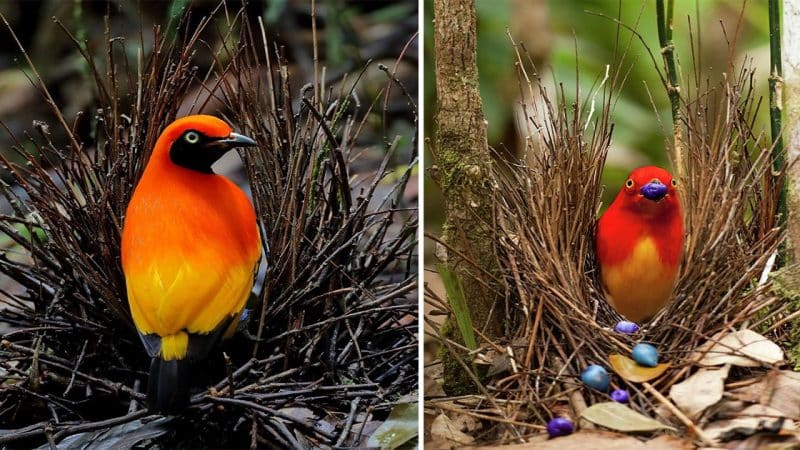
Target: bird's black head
{"x":197,"y":151}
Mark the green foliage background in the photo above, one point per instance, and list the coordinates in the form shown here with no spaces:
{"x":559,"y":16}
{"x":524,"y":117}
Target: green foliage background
{"x":574,"y":28}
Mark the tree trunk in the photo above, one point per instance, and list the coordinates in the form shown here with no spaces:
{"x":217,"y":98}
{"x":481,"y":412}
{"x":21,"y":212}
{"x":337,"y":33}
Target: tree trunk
{"x":462,"y":168}
{"x":790,"y":92}
{"x":787,"y":280}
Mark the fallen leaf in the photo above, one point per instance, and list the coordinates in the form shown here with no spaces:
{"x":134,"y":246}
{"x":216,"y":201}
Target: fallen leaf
{"x":769,"y":442}
{"x":466,"y":423}
{"x":443,"y":428}
{"x":619,"y":417}
{"x":500,"y":364}
{"x":751,"y":420}
{"x":744,"y":348}
{"x":633,"y":372}
{"x":399,"y":428}
{"x":699,"y":391}
{"x":779,"y":389}
{"x":596,"y":440}
{"x":303,"y":415}
{"x":432,"y":387}
{"x":125,"y":435}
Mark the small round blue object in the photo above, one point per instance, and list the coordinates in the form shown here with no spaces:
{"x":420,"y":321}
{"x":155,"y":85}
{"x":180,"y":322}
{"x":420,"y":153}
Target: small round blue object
{"x":596,"y":377}
{"x":645,"y":355}
{"x":620,"y":396}
{"x":625,"y":327}
{"x":654,"y":190}
{"x":559,"y":426}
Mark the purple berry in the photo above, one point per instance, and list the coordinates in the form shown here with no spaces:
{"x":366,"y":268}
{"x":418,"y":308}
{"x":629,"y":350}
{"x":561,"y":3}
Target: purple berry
{"x":625,"y":327}
{"x":620,"y":396}
{"x":559,"y":426}
{"x":596,"y":377}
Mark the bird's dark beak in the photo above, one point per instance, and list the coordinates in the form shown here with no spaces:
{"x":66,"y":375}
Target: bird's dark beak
{"x":654,"y":190}
{"x":235,"y":140}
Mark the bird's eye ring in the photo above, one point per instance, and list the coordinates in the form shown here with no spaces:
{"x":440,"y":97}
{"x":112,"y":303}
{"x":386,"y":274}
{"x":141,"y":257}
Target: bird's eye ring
{"x":674,"y":183}
{"x":192,"y":137}
{"x":629,"y":183}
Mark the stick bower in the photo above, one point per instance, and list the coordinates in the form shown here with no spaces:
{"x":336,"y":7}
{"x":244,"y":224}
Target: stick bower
{"x":557,"y":322}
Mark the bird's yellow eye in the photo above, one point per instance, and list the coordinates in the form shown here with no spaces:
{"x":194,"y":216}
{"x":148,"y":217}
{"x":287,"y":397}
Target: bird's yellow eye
{"x":192,"y":137}
{"x":629,"y":183}
{"x":674,"y":183}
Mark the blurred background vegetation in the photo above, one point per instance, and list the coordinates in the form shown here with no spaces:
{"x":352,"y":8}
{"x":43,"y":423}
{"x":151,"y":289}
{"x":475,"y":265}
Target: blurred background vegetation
{"x":554,"y":32}
{"x":351,"y":32}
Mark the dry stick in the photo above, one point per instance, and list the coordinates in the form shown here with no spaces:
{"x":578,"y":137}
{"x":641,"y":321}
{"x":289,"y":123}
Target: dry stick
{"x":50,"y":361}
{"x":446,"y":407}
{"x":349,"y":423}
{"x":477,"y":382}
{"x":680,"y":415}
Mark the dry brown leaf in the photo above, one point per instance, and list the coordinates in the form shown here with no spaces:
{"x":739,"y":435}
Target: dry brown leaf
{"x":632,"y":371}
{"x":769,"y":442}
{"x":432,"y":387}
{"x":699,"y":391}
{"x":744,"y":348}
{"x":596,"y":440}
{"x":444,"y":429}
{"x":779,"y":389}
{"x":751,"y":420}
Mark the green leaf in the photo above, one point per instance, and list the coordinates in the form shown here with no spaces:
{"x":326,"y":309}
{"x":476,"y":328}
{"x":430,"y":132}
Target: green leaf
{"x":399,"y":428}
{"x":455,"y":295}
{"x":619,"y":417}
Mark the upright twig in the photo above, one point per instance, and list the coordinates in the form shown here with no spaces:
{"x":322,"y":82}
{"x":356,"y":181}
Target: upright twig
{"x":664,"y":17}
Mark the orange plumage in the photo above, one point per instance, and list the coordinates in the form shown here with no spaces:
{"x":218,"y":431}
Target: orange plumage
{"x":190,"y":245}
{"x":639,"y":243}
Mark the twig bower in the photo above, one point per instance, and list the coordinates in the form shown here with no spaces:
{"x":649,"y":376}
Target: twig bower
{"x":331,"y":339}
{"x":557,"y":320}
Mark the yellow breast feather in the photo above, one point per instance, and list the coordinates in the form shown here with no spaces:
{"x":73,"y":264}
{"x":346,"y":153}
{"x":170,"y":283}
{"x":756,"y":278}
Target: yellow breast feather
{"x":641,"y":285}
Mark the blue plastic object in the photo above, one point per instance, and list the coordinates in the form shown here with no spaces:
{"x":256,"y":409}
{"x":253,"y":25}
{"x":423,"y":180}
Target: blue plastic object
{"x":645,"y":355}
{"x":596,"y":377}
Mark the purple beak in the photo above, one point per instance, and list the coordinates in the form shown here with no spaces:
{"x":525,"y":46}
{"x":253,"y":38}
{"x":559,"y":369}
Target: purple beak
{"x":654,"y":190}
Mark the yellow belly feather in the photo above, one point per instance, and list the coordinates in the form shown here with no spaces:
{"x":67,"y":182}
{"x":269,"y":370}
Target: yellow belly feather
{"x":641,"y":285}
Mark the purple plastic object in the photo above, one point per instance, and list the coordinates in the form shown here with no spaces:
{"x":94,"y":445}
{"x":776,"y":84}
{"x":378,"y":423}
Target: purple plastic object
{"x":620,"y":396}
{"x":625,"y":327}
{"x":559,"y":426}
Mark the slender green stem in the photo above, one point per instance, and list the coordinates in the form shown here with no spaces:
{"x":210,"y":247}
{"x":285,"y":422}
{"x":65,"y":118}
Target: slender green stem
{"x":665,"y":25}
{"x":775,"y":89}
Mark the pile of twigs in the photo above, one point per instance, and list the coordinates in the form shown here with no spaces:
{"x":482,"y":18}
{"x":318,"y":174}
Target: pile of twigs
{"x":331,"y":339}
{"x":558,"y":321}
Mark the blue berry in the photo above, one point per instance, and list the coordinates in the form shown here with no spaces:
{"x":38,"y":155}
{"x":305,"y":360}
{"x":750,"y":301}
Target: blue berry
{"x":596,"y":377}
{"x":645,"y":355}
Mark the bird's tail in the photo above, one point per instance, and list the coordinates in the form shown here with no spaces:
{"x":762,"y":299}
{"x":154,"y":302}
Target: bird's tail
{"x":168,"y":385}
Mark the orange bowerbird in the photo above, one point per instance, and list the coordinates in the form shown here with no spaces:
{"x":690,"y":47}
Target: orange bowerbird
{"x":639,"y":243}
{"x":190,"y":245}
